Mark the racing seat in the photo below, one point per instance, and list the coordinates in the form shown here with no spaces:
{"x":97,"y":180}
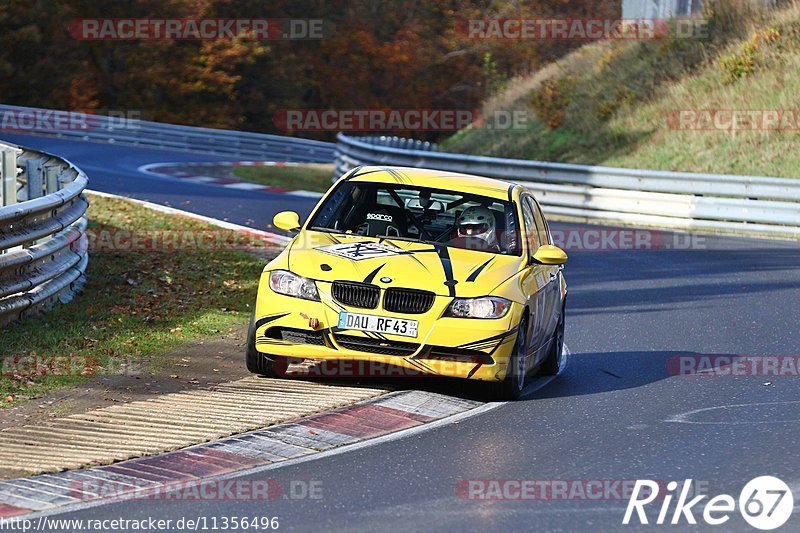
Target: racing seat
{"x":383,"y":221}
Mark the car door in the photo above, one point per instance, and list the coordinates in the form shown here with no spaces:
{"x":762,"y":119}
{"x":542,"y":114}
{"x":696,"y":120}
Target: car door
{"x":534,"y":284}
{"x":552,"y":307}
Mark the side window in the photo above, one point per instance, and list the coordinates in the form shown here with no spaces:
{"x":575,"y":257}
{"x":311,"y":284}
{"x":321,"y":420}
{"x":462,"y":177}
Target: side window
{"x":531,"y":234}
{"x":543,"y":235}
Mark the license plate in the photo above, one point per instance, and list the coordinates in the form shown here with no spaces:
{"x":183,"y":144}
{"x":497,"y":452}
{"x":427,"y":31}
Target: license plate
{"x":378,"y":324}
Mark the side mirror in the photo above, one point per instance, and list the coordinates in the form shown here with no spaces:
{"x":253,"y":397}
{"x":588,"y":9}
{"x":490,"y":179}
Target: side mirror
{"x":550,"y":255}
{"x":287,"y":221}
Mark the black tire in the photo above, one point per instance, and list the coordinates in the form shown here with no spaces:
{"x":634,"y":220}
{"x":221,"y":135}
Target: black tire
{"x":259,"y":363}
{"x":511,"y":387}
{"x":551,"y":365}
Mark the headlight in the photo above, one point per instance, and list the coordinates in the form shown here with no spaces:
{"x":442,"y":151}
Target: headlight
{"x":290,"y":284}
{"x":486,"y":307}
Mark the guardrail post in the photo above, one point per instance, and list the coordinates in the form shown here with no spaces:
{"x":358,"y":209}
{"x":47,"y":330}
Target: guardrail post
{"x":33,"y":171}
{"x":8,"y":176}
{"x":51,"y":178}
{"x":64,"y":179}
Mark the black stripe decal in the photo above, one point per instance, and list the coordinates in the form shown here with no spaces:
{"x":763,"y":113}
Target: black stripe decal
{"x":411,"y":253}
{"x":475,"y":273}
{"x":367,"y":172}
{"x":418,"y":365}
{"x":374,"y":273}
{"x":354,"y":173}
{"x":422,"y":352}
{"x":403,"y":176}
{"x":490,"y":340}
{"x":447,"y":266}
{"x":266,"y":340}
{"x":267,"y":319}
{"x":472,"y":372}
{"x":395,"y":174}
{"x":420,"y":263}
{"x":326,"y":334}
{"x":426,"y":367}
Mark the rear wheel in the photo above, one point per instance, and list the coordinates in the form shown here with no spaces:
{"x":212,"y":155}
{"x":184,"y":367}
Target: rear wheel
{"x":514,"y":383}
{"x":259,"y":363}
{"x":552,"y":363}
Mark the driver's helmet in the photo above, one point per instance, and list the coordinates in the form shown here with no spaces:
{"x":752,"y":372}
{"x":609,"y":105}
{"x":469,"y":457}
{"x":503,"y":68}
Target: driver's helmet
{"x":478,"y":222}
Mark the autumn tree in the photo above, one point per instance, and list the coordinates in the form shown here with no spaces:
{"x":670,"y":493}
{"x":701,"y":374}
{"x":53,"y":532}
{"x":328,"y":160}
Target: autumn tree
{"x":398,"y":54}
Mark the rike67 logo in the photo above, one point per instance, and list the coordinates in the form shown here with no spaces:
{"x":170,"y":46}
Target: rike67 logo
{"x":765,"y":503}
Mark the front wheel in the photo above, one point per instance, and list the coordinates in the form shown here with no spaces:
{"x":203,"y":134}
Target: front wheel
{"x":514,"y":383}
{"x":259,"y":363}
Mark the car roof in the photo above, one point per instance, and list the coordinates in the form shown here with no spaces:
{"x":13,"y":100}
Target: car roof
{"x":436,"y":179}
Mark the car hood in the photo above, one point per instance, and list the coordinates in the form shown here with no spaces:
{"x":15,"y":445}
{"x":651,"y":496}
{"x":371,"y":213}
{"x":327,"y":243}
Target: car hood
{"x":444,"y":270}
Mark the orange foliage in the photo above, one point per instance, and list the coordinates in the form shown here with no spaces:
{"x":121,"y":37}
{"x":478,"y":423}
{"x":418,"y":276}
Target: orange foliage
{"x":403,"y":54}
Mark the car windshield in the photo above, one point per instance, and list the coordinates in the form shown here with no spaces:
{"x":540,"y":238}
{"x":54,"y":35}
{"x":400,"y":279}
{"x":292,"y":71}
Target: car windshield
{"x":420,"y":214}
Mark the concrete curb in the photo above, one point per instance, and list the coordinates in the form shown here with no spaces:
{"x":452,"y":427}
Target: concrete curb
{"x":186,"y":470}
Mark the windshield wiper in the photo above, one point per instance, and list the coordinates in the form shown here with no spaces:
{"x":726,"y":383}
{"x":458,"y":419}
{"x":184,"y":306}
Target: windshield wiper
{"x":393,"y":238}
{"x":411,"y":239}
{"x":327,"y":230}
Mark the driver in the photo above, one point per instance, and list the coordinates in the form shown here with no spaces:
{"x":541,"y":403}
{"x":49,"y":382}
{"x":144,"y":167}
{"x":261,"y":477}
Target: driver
{"x":477,"y":227}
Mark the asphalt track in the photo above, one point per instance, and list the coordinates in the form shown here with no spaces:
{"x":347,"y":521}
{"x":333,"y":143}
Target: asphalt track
{"x":616,"y":413}
{"x":114,"y":169}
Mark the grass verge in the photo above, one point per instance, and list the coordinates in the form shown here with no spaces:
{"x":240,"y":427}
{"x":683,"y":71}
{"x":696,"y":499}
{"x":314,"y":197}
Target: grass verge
{"x":305,"y":177}
{"x":616,"y":103}
{"x":136,"y":305}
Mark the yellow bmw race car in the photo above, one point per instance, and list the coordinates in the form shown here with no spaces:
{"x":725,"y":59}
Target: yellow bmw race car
{"x":430,"y":271}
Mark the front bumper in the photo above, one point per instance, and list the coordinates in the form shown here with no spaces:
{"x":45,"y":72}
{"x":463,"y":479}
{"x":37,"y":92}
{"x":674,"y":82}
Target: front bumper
{"x":453,"y":347}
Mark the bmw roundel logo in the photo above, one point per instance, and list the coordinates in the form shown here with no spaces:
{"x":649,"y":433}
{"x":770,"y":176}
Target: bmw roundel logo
{"x":386,"y":280}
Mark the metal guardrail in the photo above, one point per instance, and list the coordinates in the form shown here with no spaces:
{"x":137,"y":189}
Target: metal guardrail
{"x":403,"y":143}
{"x":134,"y":132}
{"x":43,"y":244}
{"x":751,"y":205}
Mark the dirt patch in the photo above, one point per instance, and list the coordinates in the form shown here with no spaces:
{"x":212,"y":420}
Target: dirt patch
{"x":193,"y":366}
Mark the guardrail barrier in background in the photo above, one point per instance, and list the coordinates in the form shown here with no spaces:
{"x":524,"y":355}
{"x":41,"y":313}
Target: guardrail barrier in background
{"x":43,"y":244}
{"x":134,"y":132}
{"x":750,"y":205}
